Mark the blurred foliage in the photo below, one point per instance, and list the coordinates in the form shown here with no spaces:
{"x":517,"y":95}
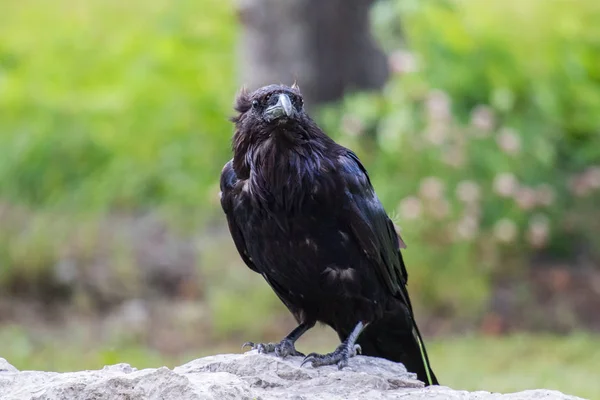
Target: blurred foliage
{"x":537,"y":60}
{"x":240,"y":302}
{"x":111,"y":104}
{"x":485,"y":145}
{"x":108,"y":109}
{"x":51,"y":353}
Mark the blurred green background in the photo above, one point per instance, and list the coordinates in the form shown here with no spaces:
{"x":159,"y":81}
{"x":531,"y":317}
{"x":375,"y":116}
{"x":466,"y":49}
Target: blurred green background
{"x":484,"y":146}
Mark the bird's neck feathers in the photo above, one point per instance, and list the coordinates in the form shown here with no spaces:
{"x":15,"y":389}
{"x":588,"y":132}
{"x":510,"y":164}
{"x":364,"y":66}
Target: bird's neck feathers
{"x":258,"y":146}
{"x":278,"y":164}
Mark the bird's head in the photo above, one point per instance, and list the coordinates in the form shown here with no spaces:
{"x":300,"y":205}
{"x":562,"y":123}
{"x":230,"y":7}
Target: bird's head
{"x":278,"y":104}
{"x":273,"y":117}
{"x":269,"y":108}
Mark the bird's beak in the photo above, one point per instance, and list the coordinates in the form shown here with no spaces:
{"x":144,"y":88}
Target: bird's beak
{"x":283,"y":108}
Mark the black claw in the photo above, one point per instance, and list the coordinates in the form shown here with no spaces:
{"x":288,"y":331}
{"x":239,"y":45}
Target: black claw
{"x":339,"y":357}
{"x":308,"y":358}
{"x":282,"y":349}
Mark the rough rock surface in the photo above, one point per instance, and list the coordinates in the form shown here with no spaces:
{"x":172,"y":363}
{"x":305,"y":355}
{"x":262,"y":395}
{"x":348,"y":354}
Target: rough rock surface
{"x":239,"y":376}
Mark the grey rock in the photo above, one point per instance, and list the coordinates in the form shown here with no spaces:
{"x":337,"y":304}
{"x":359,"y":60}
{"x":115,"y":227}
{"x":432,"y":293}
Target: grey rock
{"x":240,"y":376}
{"x":6,"y":367}
{"x":123,"y":367}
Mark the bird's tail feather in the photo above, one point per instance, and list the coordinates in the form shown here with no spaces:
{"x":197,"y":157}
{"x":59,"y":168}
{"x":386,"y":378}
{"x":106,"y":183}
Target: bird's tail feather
{"x":431,"y":378}
{"x":388,"y":339}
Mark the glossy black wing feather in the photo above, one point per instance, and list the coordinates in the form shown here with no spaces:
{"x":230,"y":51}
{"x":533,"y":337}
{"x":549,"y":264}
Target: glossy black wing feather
{"x":371,"y":226}
{"x":228,"y":203}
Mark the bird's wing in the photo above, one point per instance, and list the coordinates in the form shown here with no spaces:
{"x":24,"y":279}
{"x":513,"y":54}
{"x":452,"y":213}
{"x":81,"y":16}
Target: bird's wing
{"x":229,"y":202}
{"x":378,"y":237}
{"x":371,"y":226}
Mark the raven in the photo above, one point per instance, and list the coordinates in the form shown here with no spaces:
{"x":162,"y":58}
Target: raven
{"x":302,"y":213}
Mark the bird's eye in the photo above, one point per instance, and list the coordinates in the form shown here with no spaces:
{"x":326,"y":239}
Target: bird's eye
{"x":298,"y":102}
{"x":254,"y":103}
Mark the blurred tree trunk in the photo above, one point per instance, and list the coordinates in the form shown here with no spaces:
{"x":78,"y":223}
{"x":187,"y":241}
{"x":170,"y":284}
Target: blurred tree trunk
{"x":326,"y":45}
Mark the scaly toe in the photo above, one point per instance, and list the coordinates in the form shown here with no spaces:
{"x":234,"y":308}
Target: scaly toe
{"x":317,"y":360}
{"x":342,"y":363}
{"x":262,"y":348}
{"x":339,"y":357}
{"x":248,"y":344}
{"x":286,"y":348}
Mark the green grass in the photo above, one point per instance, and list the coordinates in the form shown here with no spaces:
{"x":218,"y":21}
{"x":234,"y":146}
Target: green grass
{"x":519,"y":362}
{"x":502,"y":364}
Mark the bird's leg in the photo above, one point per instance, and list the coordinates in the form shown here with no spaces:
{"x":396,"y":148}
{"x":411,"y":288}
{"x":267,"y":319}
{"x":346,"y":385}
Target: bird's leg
{"x":286,"y":346}
{"x":340,"y":356}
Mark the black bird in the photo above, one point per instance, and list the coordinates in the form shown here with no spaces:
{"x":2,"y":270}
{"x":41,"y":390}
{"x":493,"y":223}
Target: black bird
{"x":302,"y":213}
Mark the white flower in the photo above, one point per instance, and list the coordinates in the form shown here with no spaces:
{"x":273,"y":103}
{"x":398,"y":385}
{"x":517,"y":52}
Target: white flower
{"x":410,"y":208}
{"x":505,"y":184}
{"x":467,"y":191}
{"x":578,"y":186}
{"x":538,"y":230}
{"x":505,"y":230}
{"x":454,"y":156}
{"x":402,"y":61}
{"x":525,"y":198}
{"x":438,"y":106}
{"x":509,"y":141}
{"x":436,"y":134}
{"x":467,"y":227}
{"x":352,"y":125}
{"x":482,"y":118}
{"x":431,"y":188}
{"x":592,"y":177}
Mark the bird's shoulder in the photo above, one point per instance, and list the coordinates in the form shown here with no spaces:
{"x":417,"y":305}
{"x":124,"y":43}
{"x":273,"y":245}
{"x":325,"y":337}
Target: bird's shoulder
{"x":354,"y":175}
{"x":230,"y":187}
{"x":228,"y":177}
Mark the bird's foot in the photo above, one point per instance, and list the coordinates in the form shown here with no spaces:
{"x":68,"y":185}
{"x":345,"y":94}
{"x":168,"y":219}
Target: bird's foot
{"x":340,"y":356}
{"x":282,"y":349}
